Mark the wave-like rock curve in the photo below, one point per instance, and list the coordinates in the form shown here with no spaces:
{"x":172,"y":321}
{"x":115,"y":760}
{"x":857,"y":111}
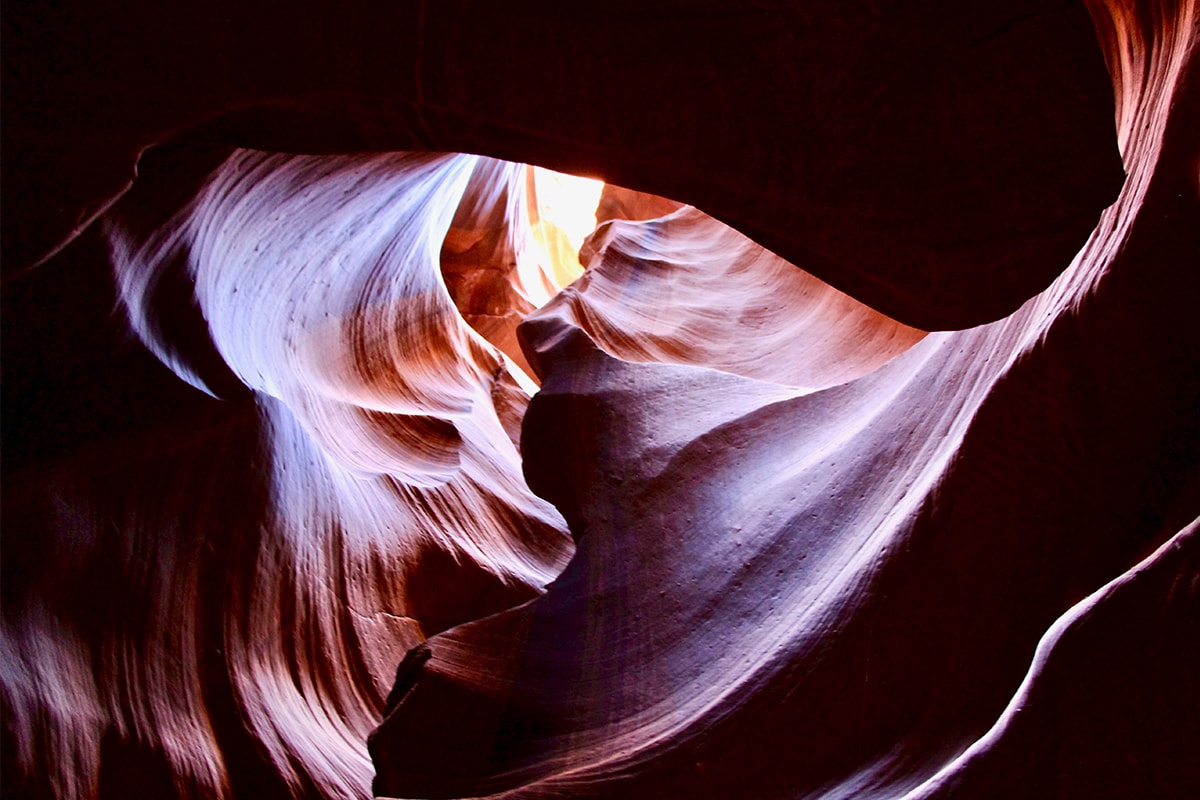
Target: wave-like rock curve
{"x":244,"y":577}
{"x":789,"y":593}
{"x":817,"y":553}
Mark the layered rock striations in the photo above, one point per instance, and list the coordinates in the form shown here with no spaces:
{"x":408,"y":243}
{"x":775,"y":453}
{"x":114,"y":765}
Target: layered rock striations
{"x":280,"y":481}
{"x":837,"y":588}
{"x":940,"y":163}
{"x":225,"y":594}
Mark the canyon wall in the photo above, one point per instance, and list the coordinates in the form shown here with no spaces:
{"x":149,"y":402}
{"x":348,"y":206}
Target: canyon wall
{"x":866,"y":465}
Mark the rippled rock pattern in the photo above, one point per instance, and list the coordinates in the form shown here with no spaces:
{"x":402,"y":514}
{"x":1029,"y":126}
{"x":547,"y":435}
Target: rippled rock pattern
{"x":295,"y":503}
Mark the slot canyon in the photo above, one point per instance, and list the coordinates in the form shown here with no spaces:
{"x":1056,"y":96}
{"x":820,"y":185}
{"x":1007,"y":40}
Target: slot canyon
{"x":845,"y":443}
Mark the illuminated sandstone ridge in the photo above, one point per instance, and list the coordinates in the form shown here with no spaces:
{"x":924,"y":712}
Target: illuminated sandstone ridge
{"x":939,"y":163}
{"x":507,"y":253}
{"x":781,"y":592}
{"x":816,"y":552}
{"x":267,"y":558}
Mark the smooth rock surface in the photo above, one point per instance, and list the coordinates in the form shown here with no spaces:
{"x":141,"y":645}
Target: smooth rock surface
{"x":940,"y":163}
{"x":277,"y":484}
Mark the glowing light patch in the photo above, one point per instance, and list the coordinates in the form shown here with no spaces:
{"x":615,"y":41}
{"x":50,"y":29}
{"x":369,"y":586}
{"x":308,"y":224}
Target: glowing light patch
{"x":565,"y":213}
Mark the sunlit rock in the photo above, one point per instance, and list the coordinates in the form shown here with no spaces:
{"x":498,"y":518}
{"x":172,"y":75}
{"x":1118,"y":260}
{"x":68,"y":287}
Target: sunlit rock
{"x":287,"y":515}
{"x":248,"y":572}
{"x":782,"y":592}
{"x":941,"y":163}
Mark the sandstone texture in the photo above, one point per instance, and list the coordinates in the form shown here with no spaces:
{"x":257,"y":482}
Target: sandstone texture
{"x":861,"y":461}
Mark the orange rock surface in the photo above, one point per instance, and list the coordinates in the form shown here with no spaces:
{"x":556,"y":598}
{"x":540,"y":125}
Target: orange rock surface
{"x":863,"y":460}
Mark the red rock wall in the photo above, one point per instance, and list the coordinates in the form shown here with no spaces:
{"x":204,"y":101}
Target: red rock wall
{"x":940,"y":164}
{"x":255,"y":452}
{"x":228,"y":587}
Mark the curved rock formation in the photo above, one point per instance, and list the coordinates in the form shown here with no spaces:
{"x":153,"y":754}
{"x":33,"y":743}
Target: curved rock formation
{"x":939,"y":163}
{"x":228,"y":593}
{"x":832,"y":593}
{"x":298,"y":491}
{"x":686,"y":289}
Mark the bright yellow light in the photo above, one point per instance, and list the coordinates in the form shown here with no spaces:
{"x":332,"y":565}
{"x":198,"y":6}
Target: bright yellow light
{"x":566,"y":210}
{"x":568,"y":201}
